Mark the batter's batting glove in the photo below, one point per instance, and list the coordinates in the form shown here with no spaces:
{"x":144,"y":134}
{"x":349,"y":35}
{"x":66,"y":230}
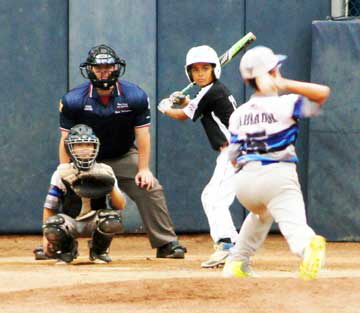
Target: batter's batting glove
{"x":179,"y":98}
{"x":165,"y":104}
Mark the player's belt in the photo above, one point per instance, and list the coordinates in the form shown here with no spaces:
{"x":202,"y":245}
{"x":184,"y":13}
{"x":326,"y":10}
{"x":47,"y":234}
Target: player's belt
{"x":267,"y":162}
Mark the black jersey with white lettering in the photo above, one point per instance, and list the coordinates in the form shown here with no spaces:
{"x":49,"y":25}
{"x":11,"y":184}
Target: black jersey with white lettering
{"x":213,"y":105}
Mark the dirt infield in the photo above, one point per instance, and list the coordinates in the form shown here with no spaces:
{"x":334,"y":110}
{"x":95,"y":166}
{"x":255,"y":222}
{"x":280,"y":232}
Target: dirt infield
{"x":138,"y":282}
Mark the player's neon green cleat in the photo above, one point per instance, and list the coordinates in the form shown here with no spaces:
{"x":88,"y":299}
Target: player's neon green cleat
{"x":236,"y":269}
{"x":314,"y":258}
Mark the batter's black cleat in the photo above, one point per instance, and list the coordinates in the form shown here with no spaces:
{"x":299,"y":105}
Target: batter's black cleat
{"x":98,"y":256}
{"x":172,"y":250}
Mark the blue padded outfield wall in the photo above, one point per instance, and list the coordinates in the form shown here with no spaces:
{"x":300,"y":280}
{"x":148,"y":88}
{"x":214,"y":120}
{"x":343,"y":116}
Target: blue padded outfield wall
{"x":287,"y":30}
{"x":182,"y":147}
{"x":153,"y":37}
{"x":34,"y":65}
{"x":130,"y":28}
{"x":334,"y":145}
{"x":185,"y":160}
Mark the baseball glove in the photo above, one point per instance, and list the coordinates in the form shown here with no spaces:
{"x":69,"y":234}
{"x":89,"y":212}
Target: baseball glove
{"x":95,"y":183}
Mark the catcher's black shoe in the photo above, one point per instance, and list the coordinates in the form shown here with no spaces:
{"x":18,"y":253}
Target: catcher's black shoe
{"x":172,"y":250}
{"x":99,"y":257}
{"x":40,"y":254}
{"x":68,"y":257}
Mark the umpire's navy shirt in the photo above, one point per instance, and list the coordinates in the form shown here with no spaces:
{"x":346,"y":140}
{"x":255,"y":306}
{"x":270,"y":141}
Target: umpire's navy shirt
{"x":114,"y":124}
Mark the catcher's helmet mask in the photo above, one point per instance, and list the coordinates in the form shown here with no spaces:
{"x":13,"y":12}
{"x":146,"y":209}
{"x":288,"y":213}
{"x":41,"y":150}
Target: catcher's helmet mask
{"x":82,"y":134}
{"x":100,"y":55}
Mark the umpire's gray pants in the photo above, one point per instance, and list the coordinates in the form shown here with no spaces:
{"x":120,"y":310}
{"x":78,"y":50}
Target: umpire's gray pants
{"x":151,"y":204}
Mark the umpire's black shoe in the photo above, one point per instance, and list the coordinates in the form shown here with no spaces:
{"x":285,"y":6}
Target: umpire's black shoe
{"x":172,"y":250}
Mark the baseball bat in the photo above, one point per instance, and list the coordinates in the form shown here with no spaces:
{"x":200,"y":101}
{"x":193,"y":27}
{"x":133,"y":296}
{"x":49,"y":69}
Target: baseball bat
{"x":229,"y":54}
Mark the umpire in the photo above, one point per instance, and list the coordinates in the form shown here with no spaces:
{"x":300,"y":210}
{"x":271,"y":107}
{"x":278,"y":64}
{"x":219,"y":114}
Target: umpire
{"x":119,"y":113}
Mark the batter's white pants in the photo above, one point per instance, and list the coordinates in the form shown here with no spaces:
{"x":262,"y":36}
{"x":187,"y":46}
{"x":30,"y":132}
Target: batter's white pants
{"x":217,"y":197}
{"x":270,"y":192}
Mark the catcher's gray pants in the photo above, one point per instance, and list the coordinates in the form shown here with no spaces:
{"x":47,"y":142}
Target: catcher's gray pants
{"x":270,"y":192}
{"x":151,"y":204}
{"x":82,"y":228}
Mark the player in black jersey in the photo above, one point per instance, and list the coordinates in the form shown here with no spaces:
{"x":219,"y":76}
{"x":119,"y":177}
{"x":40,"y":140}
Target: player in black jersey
{"x":213,"y":105}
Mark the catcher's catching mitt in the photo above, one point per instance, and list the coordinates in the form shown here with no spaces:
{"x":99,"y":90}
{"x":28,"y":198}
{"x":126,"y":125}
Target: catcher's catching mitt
{"x":95,"y":183}
{"x":94,"y":187}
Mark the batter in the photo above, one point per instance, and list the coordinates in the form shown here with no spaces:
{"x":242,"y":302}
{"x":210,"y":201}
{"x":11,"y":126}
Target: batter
{"x":213,"y":105}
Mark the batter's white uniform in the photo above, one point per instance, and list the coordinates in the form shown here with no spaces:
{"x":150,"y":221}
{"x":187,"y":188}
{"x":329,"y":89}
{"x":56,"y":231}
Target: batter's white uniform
{"x":213,"y":105}
{"x":263,"y":134}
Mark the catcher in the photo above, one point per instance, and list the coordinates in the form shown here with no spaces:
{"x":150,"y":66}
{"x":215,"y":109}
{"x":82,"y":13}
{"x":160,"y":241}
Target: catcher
{"x":84,"y":200}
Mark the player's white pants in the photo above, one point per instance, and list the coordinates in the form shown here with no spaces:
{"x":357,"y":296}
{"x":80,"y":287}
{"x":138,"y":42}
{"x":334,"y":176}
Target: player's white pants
{"x":270,"y":192}
{"x":217,"y":197}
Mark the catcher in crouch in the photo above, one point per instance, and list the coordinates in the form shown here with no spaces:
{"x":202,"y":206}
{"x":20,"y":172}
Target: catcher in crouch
{"x":84,"y":200}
